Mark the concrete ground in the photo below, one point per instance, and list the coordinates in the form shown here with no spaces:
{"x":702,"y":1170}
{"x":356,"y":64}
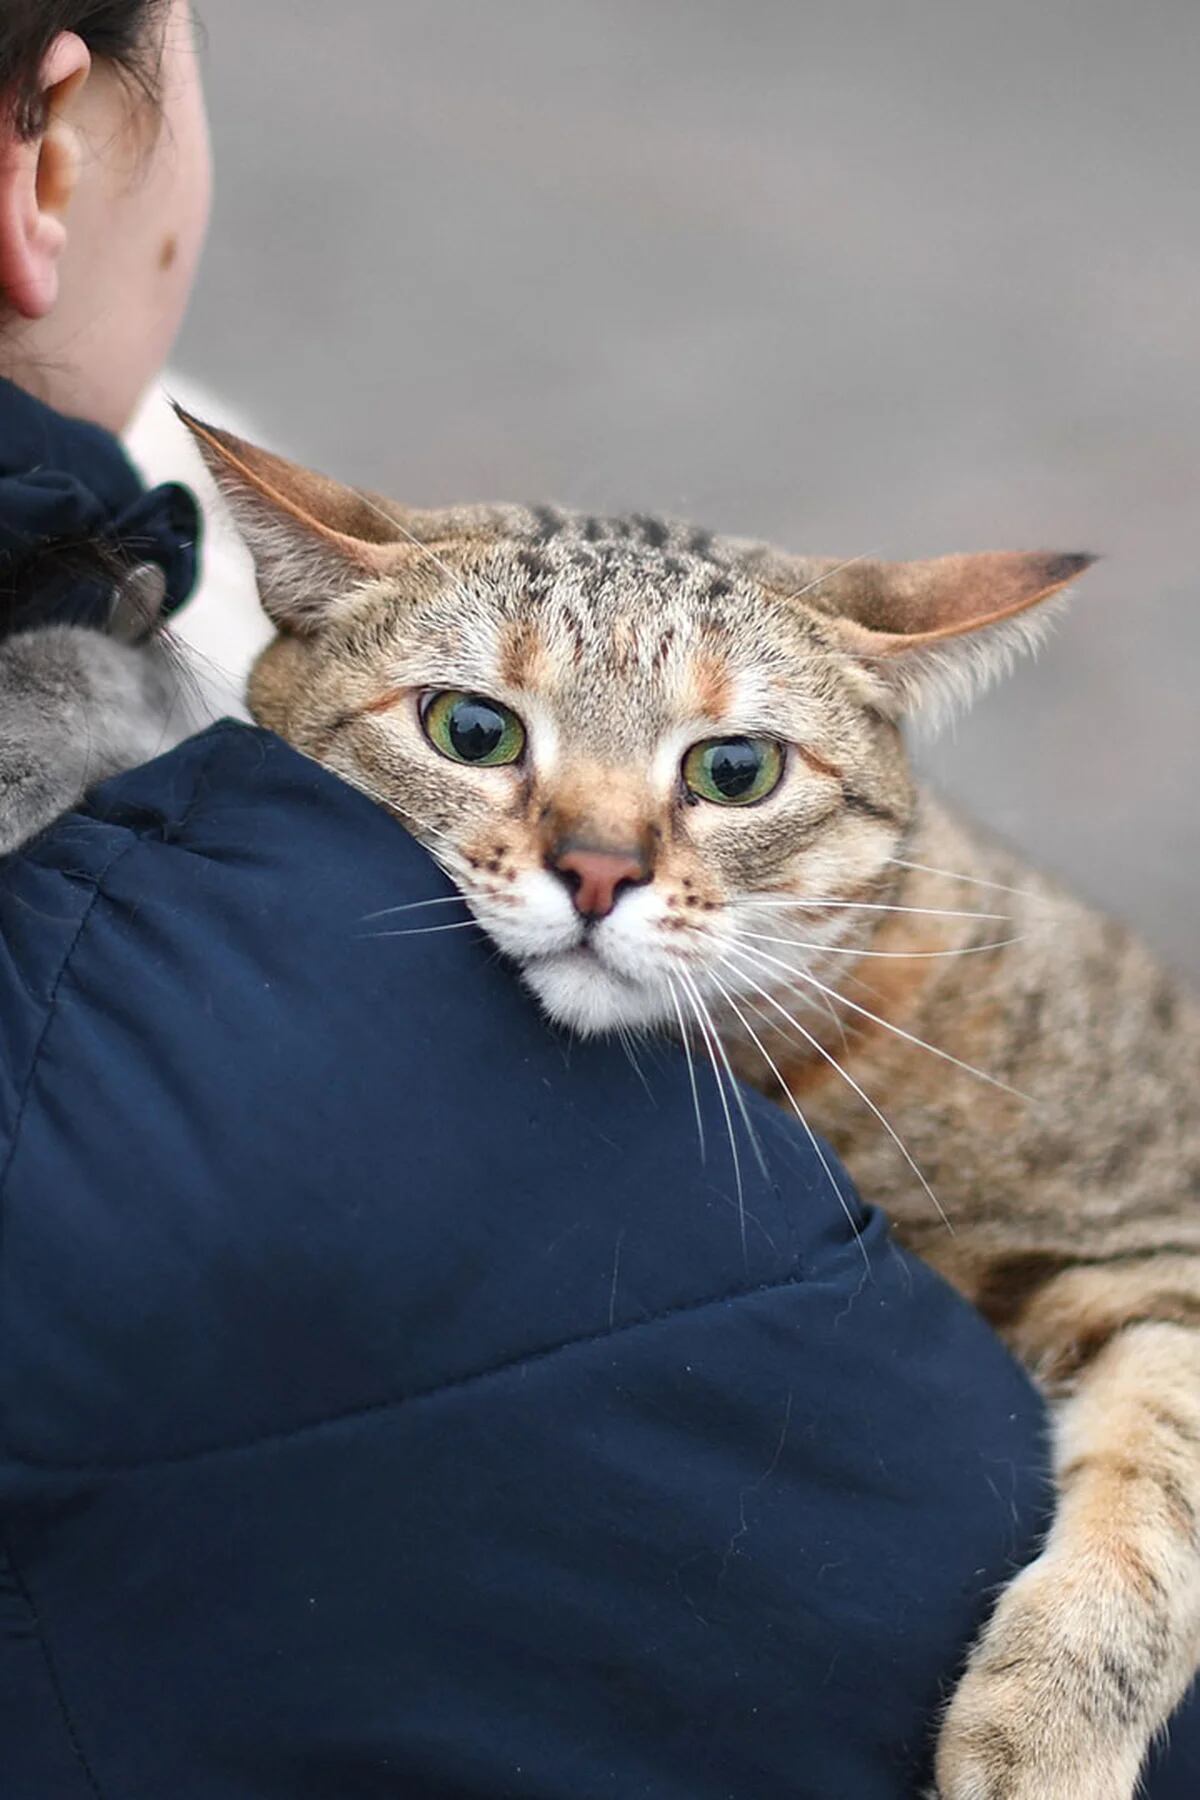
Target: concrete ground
{"x":851,"y":275}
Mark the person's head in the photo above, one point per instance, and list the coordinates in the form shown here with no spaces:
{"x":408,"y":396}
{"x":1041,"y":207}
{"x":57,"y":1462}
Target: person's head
{"x":104,"y":195}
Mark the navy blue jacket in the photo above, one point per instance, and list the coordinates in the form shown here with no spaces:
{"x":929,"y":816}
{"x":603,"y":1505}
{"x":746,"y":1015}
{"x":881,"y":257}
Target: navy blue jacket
{"x":389,"y":1404}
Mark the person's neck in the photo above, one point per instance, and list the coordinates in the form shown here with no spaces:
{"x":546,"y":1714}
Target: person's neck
{"x":34,"y":362}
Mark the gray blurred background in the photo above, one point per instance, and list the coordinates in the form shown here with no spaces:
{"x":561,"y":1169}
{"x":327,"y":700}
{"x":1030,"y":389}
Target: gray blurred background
{"x":899,"y":277}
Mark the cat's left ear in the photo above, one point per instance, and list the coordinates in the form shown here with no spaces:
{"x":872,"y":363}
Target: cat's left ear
{"x":933,"y":633}
{"x":313,"y":540}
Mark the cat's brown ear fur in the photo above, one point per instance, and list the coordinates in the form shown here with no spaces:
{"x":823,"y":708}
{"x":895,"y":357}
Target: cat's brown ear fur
{"x":938,"y":630}
{"x":312,"y":539}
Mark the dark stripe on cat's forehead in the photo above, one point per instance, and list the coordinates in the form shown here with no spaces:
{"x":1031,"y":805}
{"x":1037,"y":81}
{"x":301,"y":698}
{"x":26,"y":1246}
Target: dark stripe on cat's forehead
{"x":550,"y":524}
{"x":654,"y":532}
{"x":539,"y":572}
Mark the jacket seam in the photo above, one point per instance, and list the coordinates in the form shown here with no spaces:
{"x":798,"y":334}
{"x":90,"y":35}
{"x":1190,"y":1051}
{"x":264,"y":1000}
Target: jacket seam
{"x":52,"y":1674}
{"x":48,"y":1019}
{"x":396,"y":1402}
{"x":101,"y":875}
{"x":218,"y":736}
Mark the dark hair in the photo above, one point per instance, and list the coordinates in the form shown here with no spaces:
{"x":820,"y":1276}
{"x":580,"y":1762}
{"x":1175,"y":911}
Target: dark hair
{"x":116,"y":30}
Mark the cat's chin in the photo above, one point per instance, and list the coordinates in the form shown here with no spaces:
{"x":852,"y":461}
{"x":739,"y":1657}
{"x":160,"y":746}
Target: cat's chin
{"x":588,"y":996}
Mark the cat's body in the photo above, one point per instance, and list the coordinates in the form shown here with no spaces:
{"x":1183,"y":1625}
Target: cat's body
{"x":683,"y":804}
{"x":1100,"y":1044}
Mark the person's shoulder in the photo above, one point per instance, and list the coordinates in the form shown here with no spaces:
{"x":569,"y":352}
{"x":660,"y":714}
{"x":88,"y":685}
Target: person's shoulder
{"x":231,"y":835}
{"x":237,"y":788}
{"x":233,"y":790}
{"x":225,"y":774}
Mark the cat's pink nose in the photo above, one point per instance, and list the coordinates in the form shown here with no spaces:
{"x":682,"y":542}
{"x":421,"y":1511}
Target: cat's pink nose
{"x":596,"y":878}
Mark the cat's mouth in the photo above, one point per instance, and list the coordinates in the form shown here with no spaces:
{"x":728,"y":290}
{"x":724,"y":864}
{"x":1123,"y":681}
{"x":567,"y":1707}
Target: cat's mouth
{"x":584,"y":954}
{"x":580,"y":987}
{"x":584,"y":958}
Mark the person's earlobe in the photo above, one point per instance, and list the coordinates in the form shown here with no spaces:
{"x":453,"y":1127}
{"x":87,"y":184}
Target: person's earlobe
{"x":38,"y":178}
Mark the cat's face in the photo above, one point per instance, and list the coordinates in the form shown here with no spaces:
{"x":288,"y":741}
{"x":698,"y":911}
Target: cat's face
{"x":651,"y":760}
{"x":620,"y":752}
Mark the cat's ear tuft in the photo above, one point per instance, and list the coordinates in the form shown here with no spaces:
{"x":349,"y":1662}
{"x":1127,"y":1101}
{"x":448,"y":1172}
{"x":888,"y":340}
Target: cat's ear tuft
{"x":934,"y":633}
{"x":313,"y":540}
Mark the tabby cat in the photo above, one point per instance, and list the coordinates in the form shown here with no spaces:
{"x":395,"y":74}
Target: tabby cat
{"x":666,"y":772}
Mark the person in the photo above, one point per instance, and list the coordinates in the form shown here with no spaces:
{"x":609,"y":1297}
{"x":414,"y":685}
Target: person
{"x":393,"y":1400}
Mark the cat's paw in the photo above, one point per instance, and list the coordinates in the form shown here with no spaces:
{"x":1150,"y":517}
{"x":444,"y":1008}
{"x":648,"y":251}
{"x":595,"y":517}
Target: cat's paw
{"x":1050,"y":1707}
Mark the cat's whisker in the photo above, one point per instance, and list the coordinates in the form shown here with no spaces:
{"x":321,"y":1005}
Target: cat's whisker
{"x":761,"y":1013}
{"x":625,"y":1039}
{"x":833,"y":1062}
{"x":759,"y":937}
{"x":455,"y":581}
{"x":391,"y":804}
{"x":424,"y":930}
{"x":978,"y":881}
{"x":703,"y":960}
{"x":828,"y":575}
{"x":449,"y":861}
{"x":818,"y":1003}
{"x":425,"y":830}
{"x":751,"y":1134}
{"x":442,"y":859}
{"x":715,"y":1048}
{"x":226,"y":683}
{"x":685,"y":1037}
{"x":931,"y":912}
{"x":796,"y":1108}
{"x":887,"y":1025}
{"x":419,"y":829}
{"x":414,"y":906}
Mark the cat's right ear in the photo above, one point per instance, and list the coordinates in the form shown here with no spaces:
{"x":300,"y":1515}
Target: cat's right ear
{"x":313,"y":540}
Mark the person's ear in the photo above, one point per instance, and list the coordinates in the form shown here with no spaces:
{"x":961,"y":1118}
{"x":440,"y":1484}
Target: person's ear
{"x":38,"y":178}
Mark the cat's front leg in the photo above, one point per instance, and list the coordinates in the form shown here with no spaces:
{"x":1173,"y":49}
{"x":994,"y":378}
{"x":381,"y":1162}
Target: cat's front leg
{"x":1093,"y":1646}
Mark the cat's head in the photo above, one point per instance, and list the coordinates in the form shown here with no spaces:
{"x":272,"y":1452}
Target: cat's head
{"x":626,"y":740}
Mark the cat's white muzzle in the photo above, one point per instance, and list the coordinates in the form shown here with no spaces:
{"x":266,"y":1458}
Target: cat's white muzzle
{"x":590,"y":978}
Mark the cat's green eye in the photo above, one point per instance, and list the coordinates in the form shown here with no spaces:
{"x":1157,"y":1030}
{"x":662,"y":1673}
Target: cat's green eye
{"x":733,"y":771}
{"x":469,"y":729}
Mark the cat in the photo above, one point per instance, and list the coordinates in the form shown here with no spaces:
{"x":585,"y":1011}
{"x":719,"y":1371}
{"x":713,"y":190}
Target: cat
{"x":666,"y":772}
